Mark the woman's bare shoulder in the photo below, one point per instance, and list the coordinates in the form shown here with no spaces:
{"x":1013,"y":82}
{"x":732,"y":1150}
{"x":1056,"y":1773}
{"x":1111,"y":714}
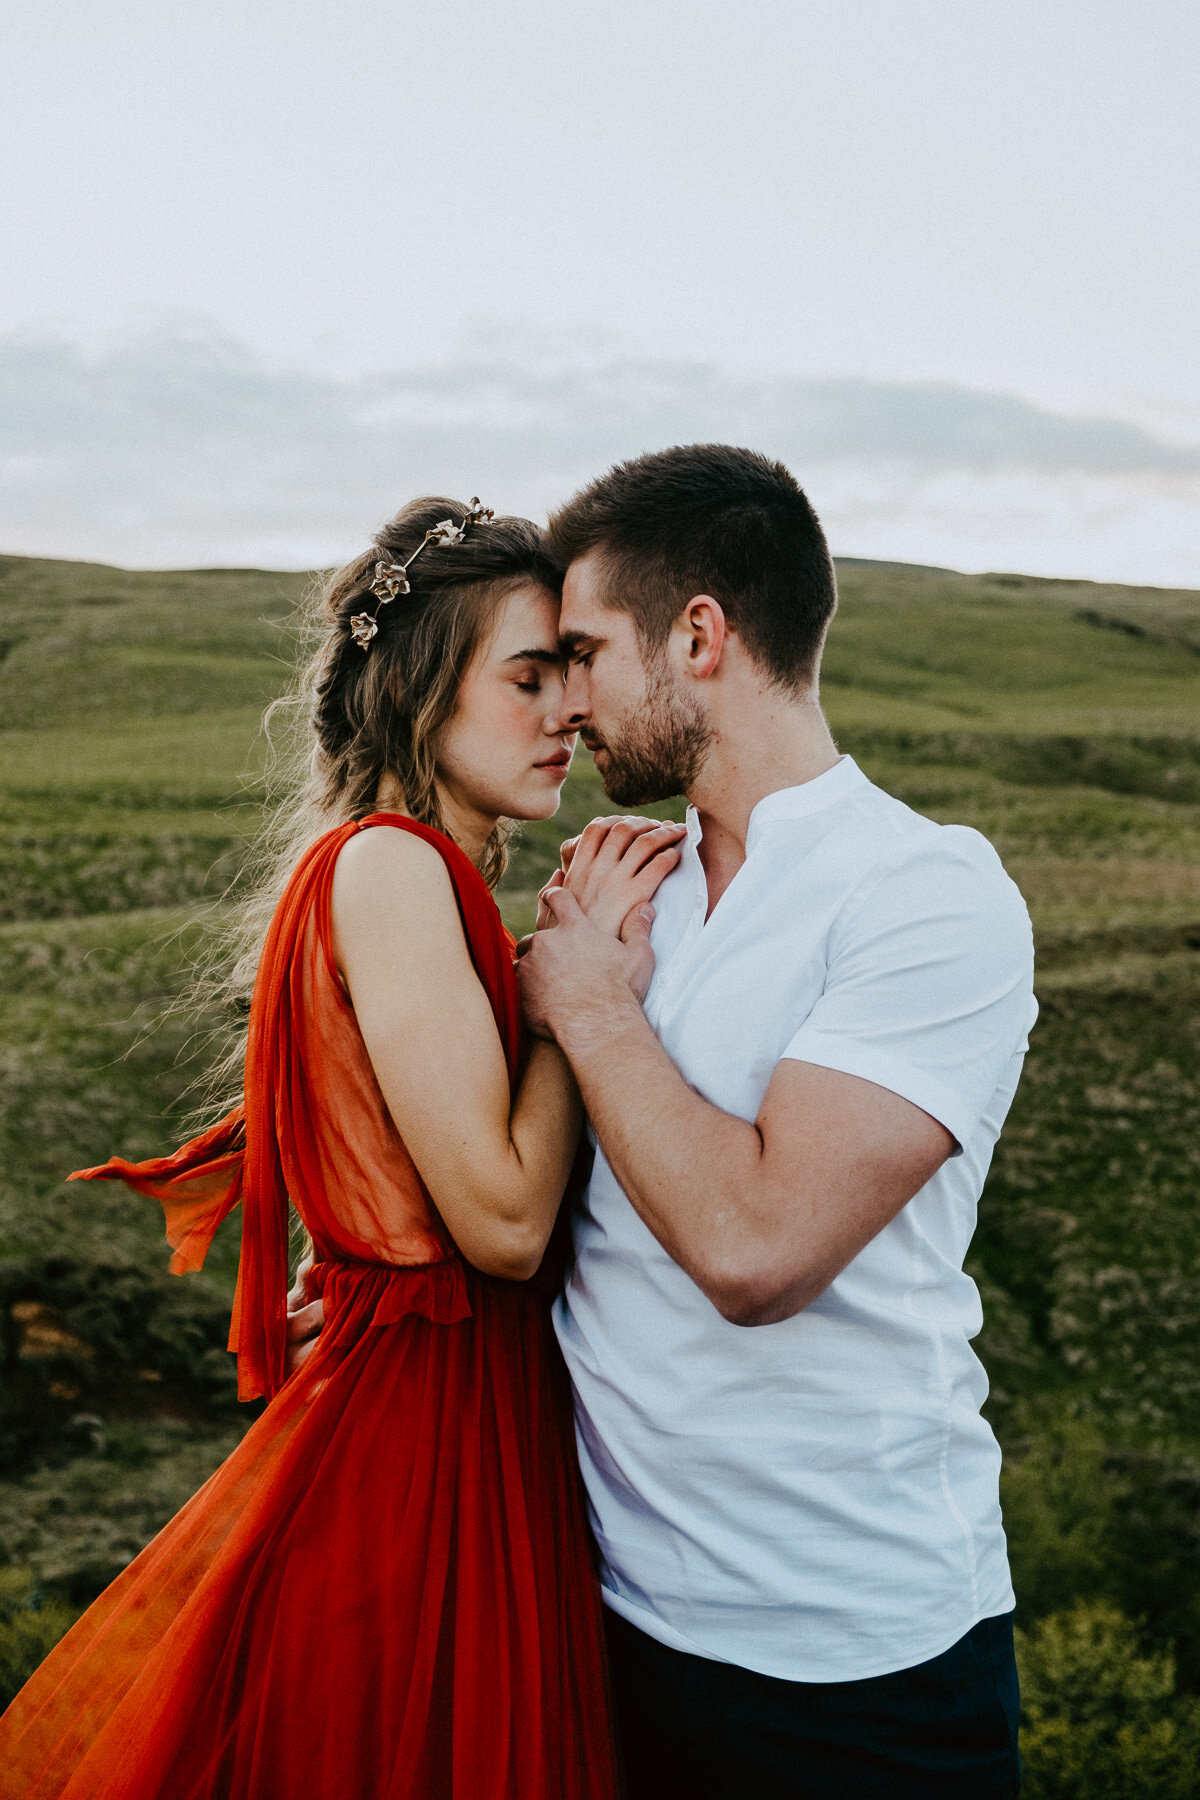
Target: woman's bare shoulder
{"x":383,"y":847}
{"x":387,"y":870}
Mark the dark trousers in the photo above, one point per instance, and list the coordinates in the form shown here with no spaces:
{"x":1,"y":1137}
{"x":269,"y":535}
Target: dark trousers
{"x":691,"y":1729}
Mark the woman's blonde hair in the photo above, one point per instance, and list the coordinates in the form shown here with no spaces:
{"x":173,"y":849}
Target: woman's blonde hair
{"x":355,"y":716}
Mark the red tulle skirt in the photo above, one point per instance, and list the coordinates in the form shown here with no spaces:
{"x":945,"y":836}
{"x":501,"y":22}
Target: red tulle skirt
{"x":386,"y":1591}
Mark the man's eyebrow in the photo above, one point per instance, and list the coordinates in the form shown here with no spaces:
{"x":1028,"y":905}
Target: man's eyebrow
{"x":553,"y":657}
{"x":572,"y":642}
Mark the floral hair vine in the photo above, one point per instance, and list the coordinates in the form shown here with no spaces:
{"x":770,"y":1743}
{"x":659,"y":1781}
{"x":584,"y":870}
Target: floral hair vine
{"x":391,"y":578}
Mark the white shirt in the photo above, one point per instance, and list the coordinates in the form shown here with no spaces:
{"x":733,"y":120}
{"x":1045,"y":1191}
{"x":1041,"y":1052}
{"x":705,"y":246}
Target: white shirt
{"x":815,"y":1499}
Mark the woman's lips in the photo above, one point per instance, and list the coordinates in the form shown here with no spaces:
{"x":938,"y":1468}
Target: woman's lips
{"x":560,"y":763}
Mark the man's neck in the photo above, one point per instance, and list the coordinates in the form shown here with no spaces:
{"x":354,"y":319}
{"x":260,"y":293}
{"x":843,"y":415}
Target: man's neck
{"x":779,"y":745}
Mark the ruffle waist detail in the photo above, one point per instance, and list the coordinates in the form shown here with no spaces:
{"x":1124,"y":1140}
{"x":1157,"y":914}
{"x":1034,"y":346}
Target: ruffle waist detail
{"x":359,"y":1295}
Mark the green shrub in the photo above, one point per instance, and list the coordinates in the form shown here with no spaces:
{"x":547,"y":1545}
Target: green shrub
{"x":1059,"y":1496}
{"x":1101,"y":1719}
{"x":83,"y":1335}
{"x":30,"y":1626}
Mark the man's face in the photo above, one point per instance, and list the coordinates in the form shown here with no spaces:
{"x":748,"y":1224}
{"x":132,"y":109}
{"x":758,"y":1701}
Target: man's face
{"x":647,"y":733}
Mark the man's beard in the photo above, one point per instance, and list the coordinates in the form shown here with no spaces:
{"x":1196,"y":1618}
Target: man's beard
{"x":659,"y":750}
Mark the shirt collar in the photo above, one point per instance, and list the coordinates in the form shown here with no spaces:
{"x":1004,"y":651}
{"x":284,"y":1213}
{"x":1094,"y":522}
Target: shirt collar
{"x":823,"y":790}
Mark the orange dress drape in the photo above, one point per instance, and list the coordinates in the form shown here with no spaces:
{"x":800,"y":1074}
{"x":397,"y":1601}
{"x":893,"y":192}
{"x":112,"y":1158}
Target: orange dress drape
{"x":386,"y":1592}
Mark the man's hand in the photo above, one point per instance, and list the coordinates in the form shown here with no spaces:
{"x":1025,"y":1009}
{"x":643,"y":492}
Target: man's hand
{"x":304,"y":1320}
{"x":581,"y":975}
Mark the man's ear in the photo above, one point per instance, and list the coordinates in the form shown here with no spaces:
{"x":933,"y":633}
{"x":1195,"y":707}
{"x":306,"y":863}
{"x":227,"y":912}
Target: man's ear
{"x":704,"y":629}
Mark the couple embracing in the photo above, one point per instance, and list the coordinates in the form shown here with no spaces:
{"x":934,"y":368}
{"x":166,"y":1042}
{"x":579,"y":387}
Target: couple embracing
{"x":788,"y":1031}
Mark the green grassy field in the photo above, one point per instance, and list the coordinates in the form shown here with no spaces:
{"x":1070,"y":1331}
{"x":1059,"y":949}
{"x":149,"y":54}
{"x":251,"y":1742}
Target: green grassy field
{"x":1062,"y":719}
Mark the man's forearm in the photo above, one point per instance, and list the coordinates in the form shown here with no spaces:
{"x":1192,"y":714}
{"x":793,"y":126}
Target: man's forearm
{"x":762,"y":1216}
{"x":688,"y":1169}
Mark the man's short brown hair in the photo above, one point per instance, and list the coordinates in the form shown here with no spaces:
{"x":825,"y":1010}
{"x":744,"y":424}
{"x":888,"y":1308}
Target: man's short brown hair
{"x":709,"y":519}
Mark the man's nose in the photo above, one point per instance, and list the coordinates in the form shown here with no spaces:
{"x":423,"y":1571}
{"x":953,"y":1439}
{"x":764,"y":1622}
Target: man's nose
{"x":574,"y":708}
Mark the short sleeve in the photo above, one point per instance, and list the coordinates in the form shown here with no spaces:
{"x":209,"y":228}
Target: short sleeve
{"x":929,"y":990}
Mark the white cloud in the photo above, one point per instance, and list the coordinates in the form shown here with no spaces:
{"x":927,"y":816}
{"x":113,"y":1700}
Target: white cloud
{"x":182,"y":446}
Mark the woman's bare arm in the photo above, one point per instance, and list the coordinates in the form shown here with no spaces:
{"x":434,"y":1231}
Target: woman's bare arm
{"x":495,"y":1165}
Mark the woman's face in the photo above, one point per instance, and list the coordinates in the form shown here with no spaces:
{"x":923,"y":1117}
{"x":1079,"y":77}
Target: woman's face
{"x":506,"y":751}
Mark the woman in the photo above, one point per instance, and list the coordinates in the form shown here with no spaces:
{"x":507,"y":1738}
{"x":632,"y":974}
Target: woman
{"x":386,"y":1590}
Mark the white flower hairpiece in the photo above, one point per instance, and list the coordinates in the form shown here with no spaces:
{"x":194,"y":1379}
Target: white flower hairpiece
{"x":391,"y":579}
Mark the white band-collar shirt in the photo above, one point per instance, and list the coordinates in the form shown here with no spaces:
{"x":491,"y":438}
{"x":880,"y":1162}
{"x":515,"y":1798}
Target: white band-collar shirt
{"x":815,"y":1499}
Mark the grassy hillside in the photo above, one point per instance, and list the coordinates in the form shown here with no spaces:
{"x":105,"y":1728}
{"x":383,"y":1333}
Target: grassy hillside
{"x":1062,"y":719}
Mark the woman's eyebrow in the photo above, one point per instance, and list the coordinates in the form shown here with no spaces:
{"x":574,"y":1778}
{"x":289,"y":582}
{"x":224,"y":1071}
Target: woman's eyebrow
{"x":538,"y":656}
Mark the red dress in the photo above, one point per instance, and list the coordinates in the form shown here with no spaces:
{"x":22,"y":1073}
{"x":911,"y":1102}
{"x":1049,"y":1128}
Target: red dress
{"x":386,"y":1592}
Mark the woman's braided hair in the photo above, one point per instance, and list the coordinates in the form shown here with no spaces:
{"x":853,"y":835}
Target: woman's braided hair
{"x":382,"y":713}
{"x":353,"y":719}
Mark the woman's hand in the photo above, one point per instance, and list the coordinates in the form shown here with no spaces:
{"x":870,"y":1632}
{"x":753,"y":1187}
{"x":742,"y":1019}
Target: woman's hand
{"x":305,"y":1318}
{"x":614,"y":866}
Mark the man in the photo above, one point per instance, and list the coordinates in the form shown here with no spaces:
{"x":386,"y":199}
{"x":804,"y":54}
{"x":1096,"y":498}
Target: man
{"x":767,"y":1323}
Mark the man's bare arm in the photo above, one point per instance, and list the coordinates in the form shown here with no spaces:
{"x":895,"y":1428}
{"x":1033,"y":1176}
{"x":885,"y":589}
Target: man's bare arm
{"x":762,"y":1216}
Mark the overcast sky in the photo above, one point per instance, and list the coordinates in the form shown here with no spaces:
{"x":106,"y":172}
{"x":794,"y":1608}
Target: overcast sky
{"x":268,"y":266}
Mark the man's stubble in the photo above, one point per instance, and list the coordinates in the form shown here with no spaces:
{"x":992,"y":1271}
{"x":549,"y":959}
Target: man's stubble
{"x":659,"y":749}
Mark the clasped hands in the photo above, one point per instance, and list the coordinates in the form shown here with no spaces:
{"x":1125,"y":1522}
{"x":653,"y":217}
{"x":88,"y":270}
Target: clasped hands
{"x":597,"y":957}
{"x":596,"y":960}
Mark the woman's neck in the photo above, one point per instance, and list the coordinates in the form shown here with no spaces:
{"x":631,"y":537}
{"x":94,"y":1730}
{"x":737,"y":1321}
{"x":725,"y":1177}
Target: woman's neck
{"x":466,"y":824}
